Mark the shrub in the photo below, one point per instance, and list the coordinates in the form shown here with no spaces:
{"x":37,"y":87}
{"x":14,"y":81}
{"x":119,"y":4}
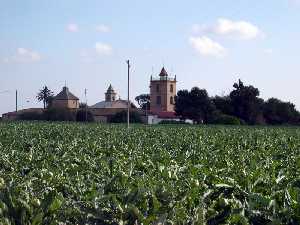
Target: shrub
{"x":56,"y":114}
{"x":172,"y":122}
{"x":228,"y":120}
{"x":31,"y":116}
{"x":121,"y":117}
{"x":83,"y":115}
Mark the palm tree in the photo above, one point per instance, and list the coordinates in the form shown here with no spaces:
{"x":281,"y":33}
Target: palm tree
{"x":45,"y":95}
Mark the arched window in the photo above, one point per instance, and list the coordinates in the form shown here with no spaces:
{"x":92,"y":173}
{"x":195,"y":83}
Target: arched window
{"x":158,"y":100}
{"x":171,"y":88}
{"x":172,"y":100}
{"x":157,"y":88}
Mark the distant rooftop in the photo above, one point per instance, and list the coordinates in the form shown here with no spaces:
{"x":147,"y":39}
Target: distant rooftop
{"x":163,"y":72}
{"x":110,"y":89}
{"x":119,"y":104}
{"x":65,"y":94}
{"x":163,"y":75}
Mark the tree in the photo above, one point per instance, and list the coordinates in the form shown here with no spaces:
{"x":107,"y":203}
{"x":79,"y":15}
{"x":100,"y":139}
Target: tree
{"x":144,"y":101}
{"x":195,"y":105}
{"x":182,"y":102}
{"x":278,"y":112}
{"x":223,"y":104}
{"x":246,"y":104}
{"x":45,"y":95}
{"x":202,"y":106}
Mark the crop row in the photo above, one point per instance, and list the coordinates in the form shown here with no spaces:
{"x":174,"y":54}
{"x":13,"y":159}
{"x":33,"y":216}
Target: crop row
{"x":66,"y":173}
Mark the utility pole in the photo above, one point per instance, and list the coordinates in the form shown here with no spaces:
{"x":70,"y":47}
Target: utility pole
{"x":128,"y":104}
{"x":16,"y":100}
{"x":85,"y":90}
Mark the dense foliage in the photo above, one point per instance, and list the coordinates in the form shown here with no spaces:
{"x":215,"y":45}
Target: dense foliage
{"x":195,"y":105}
{"x":121,"y":117}
{"x":228,"y":120}
{"x":144,"y":101}
{"x":45,"y":95}
{"x":243,"y":103}
{"x":67,"y":173}
{"x":59,"y":114}
{"x":83,"y":115}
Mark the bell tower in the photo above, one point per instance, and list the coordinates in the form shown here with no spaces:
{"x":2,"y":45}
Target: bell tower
{"x":162,"y":93}
{"x":110,"y":94}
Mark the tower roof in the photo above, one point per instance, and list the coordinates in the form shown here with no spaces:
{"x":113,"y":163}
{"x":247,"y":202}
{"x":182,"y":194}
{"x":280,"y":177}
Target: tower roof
{"x":65,"y":94}
{"x":110,"y":89}
{"x":163,"y":72}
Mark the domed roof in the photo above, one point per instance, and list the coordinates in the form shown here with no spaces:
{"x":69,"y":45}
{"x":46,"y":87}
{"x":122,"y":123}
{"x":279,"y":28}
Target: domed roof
{"x":118,"y":104}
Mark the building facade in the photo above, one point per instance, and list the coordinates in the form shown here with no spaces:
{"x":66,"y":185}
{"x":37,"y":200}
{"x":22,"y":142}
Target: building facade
{"x":104,"y":110}
{"x":65,"y":99}
{"x":162,"y":93}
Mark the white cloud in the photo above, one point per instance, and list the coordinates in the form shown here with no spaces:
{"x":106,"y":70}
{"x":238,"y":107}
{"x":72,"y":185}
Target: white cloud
{"x":28,"y":54}
{"x":103,"y":49}
{"x":240,"y":29}
{"x":24,"y":55}
{"x":72,"y":27}
{"x":103,"y":28}
{"x":235,"y":29}
{"x":207,"y":47}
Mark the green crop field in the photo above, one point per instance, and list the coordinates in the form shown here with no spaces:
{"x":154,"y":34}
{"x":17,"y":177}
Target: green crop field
{"x":68,"y":173}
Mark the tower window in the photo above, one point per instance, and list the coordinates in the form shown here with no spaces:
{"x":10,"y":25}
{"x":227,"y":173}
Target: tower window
{"x":158,"y":100}
{"x":171,"y":100}
{"x":157,"y":88}
{"x":171,"y":88}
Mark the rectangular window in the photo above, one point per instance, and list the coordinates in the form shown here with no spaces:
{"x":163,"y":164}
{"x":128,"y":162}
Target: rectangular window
{"x":171,"y":100}
{"x":158,"y":100}
{"x":157,"y":88}
{"x":171,"y":88}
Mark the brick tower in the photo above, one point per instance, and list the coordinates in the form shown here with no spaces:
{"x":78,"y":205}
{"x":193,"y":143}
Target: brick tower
{"x":110,"y":94}
{"x":162,"y":93}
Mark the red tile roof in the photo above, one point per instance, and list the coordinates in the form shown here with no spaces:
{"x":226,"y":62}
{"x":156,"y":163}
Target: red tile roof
{"x":166,"y":115}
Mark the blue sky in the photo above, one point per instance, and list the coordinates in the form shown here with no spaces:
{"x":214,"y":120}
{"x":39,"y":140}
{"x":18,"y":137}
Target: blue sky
{"x":209,"y":44}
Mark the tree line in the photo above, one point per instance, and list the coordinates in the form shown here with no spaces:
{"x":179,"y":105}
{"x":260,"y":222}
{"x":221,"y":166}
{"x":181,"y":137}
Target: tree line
{"x":242,"y":106}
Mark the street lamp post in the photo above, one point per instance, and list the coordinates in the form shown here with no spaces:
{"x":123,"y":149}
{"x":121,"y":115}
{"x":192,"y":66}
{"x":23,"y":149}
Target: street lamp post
{"x":86,"y":117}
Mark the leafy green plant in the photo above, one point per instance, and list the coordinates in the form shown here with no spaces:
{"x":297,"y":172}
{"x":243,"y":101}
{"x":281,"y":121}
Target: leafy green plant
{"x":68,"y":173}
